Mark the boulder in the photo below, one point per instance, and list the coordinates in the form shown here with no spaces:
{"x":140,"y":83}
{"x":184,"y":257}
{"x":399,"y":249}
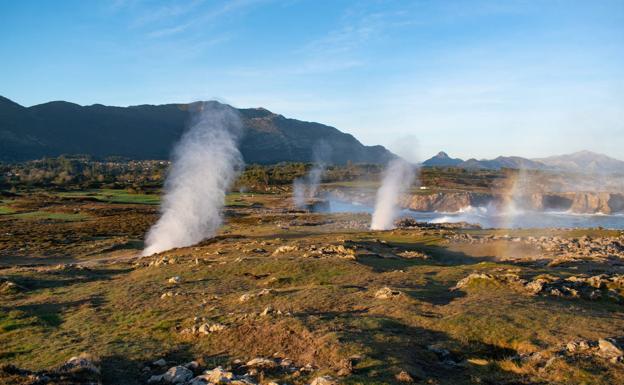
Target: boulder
{"x":609,"y":348}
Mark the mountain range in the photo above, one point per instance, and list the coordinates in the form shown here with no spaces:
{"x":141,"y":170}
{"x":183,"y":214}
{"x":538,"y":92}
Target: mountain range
{"x":149,"y":131}
{"x":582,"y":161}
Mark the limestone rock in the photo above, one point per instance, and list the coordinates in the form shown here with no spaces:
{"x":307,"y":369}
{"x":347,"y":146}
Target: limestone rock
{"x":210,"y":328}
{"x":609,"y":348}
{"x":285,"y":249}
{"x":261,"y":363}
{"x":175,"y":280}
{"x":214,"y":376}
{"x":80,"y":363}
{"x":324,"y":380}
{"x":245,"y":297}
{"x":387,"y":293}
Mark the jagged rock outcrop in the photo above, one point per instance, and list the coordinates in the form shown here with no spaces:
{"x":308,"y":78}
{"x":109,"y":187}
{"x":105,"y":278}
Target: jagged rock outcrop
{"x":606,"y":203}
{"x":590,"y":288}
{"x":575,"y":202}
{"x":445,"y":201}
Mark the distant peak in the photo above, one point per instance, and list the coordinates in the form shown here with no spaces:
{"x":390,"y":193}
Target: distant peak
{"x":442,"y":159}
{"x":585,"y":152}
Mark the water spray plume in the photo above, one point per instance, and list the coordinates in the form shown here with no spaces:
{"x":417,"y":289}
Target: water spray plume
{"x":306,"y":188}
{"x":397,"y":179}
{"x":205,"y":162}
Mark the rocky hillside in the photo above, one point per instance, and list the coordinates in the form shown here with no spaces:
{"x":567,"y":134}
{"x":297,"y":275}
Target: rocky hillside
{"x":148,"y":132}
{"x":582,"y":161}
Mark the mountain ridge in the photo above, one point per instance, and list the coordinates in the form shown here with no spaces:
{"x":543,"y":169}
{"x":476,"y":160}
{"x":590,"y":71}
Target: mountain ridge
{"x":580,"y":161}
{"x":149,"y":131}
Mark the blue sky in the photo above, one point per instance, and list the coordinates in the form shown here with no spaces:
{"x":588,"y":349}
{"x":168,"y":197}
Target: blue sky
{"x":474,"y":78}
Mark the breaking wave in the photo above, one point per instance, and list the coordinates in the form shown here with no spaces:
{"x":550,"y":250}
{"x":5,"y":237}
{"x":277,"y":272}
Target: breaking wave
{"x":492,"y":217}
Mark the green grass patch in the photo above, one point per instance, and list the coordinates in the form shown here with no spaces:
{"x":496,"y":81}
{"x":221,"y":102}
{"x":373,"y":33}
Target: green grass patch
{"x":13,"y":320}
{"x":69,"y":217}
{"x":6,"y":210}
{"x":115,"y":196}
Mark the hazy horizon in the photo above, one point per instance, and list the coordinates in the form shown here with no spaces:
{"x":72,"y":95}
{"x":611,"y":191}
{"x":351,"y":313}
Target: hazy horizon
{"x":477,"y":80}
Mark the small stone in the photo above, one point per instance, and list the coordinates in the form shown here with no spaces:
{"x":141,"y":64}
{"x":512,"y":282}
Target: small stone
{"x":265,"y":292}
{"x":285,"y":249}
{"x":572,"y":347}
{"x":215,"y":376}
{"x":175,"y":279}
{"x":595,"y":294}
{"x":210,"y":328}
{"x":324,"y":380}
{"x":216,"y":328}
{"x":583,"y":345}
{"x":261,"y":363}
{"x":404,"y":377}
{"x":177,"y":375}
{"x":155,"y":379}
{"x":244,"y":298}
{"x":161,"y":362}
{"x":387,"y":293}
{"x":81,"y":362}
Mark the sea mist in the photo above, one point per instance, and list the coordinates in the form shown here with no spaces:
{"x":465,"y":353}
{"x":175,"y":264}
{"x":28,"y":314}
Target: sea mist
{"x":397,"y":179}
{"x":205,"y":162}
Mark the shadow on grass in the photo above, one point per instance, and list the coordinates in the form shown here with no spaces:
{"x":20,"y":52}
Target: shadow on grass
{"x":119,"y":370}
{"x":435,"y":293}
{"x":383,"y":256}
{"x":133,"y":244}
{"x":51,"y":314}
{"x":427,"y":355}
{"x":65,"y":277}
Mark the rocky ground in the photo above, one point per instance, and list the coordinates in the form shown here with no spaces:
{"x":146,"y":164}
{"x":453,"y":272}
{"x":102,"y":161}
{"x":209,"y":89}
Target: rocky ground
{"x":291,"y":297}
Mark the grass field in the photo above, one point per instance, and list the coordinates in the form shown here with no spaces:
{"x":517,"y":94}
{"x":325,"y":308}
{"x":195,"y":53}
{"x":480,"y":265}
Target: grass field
{"x":322,"y":307}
